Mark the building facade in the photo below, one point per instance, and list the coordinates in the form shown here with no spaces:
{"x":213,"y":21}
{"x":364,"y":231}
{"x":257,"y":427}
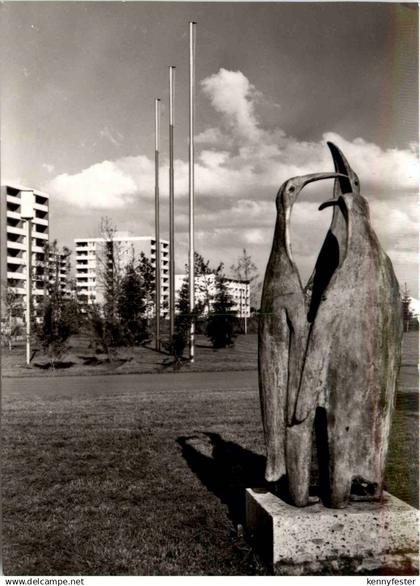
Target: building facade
{"x":92,"y":254}
{"x":14,"y":244}
{"x":206,"y":289}
{"x":59,"y":271}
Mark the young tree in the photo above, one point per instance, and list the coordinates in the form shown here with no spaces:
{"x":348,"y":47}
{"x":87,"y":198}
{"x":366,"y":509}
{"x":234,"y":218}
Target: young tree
{"x":182,"y":323}
{"x":59,"y":322}
{"x":246,"y":270}
{"x":203,"y":280}
{"x":109,"y":278}
{"x":222,"y":320}
{"x":204,"y":286}
{"x":110,"y":268}
{"x":409,"y":318}
{"x":97,"y":328}
{"x":60,"y":314}
{"x":13,"y":313}
{"x":132,"y":306}
{"x":147,"y":276}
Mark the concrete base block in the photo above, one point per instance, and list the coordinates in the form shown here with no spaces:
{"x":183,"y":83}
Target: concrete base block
{"x":365,"y":538}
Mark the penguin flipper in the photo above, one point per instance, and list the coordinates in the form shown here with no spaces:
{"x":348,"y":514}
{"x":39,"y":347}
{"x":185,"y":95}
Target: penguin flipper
{"x":314,"y":373}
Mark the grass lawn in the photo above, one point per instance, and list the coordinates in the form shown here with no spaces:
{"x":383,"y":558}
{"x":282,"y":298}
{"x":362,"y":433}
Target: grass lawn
{"x":145,"y":475}
{"x":81,"y":360}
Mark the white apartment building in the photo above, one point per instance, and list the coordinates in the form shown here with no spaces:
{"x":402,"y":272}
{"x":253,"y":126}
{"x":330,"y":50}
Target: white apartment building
{"x":206,"y":289}
{"x":14,"y":245}
{"x":91,"y":253}
{"x":59,"y":271}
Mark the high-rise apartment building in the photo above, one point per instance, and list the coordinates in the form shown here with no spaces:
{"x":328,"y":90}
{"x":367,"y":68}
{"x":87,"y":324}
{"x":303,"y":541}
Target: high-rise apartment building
{"x":14,"y":245}
{"x":92,"y":254}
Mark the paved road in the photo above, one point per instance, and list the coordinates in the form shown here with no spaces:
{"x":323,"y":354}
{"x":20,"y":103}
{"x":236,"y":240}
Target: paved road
{"x":408,"y":381}
{"x":132,"y":383}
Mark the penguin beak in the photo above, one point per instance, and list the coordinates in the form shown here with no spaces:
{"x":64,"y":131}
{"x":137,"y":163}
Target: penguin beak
{"x":318,"y":177}
{"x":341,"y":165}
{"x":329,"y":202}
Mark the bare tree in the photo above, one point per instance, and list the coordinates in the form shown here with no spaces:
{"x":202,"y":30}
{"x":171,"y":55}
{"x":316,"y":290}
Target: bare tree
{"x":246,"y":270}
{"x":109,"y":273}
{"x":409,"y":316}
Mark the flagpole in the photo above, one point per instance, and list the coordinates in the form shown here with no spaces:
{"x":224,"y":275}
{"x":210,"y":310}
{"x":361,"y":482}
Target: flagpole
{"x":191,"y":190}
{"x":157,"y":232}
{"x":171,"y":204}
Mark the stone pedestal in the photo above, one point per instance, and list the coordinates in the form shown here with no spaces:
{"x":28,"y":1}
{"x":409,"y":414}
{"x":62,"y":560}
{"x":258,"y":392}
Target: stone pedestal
{"x":365,"y":538}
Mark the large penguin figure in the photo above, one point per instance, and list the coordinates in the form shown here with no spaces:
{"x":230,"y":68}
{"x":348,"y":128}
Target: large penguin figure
{"x":283,"y":330}
{"x":352,"y":358}
{"x":299,"y":435}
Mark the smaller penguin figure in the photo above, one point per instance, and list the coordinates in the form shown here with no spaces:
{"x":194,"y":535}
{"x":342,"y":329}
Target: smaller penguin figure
{"x":334,"y":246}
{"x":283,"y":330}
{"x":353,"y":353}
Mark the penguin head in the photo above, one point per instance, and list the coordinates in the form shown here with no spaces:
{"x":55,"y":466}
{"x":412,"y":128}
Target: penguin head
{"x":290,"y":190}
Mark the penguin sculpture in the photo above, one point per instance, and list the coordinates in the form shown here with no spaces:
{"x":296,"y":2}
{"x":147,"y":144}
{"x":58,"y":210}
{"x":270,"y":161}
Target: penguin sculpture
{"x":283,"y":330}
{"x":349,"y":371}
{"x":300,"y":435}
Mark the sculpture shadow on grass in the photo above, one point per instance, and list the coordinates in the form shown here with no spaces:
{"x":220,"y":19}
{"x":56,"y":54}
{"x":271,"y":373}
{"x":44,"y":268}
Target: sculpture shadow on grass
{"x":226,"y":469}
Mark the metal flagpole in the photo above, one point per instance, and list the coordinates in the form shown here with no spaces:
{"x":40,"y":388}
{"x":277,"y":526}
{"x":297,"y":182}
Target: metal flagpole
{"x":240,"y":302}
{"x":191,"y":188}
{"x":28,"y":289}
{"x":157,"y":233}
{"x":27,"y":213}
{"x":246,"y":311}
{"x":171,"y":204}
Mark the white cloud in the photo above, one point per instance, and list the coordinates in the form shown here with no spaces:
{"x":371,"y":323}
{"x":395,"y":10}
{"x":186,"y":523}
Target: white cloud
{"x":255,"y":236}
{"x":210,"y":136}
{"x":101,"y":186}
{"x":214,"y":159}
{"x":239,"y":169}
{"x":232,"y":95}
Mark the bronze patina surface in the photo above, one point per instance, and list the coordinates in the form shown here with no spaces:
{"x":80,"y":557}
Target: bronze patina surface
{"x":283,"y":329}
{"x":329,"y":355}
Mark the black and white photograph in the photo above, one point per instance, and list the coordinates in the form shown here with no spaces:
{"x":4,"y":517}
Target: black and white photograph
{"x":209,"y":290}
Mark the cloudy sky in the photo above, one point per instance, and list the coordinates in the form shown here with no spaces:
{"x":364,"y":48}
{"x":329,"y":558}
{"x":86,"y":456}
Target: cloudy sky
{"x":274,"y":83}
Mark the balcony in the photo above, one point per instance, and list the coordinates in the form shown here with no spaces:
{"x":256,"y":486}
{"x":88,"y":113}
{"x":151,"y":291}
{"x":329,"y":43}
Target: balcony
{"x":14,"y":215}
{"x":14,"y":230}
{"x":13,"y":199}
{"x":16,"y":260}
{"x":16,"y":276}
{"x":40,"y":235}
{"x":41,"y":221}
{"x":16,"y":245}
{"x":40,"y":207}
{"x":41,"y":196}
